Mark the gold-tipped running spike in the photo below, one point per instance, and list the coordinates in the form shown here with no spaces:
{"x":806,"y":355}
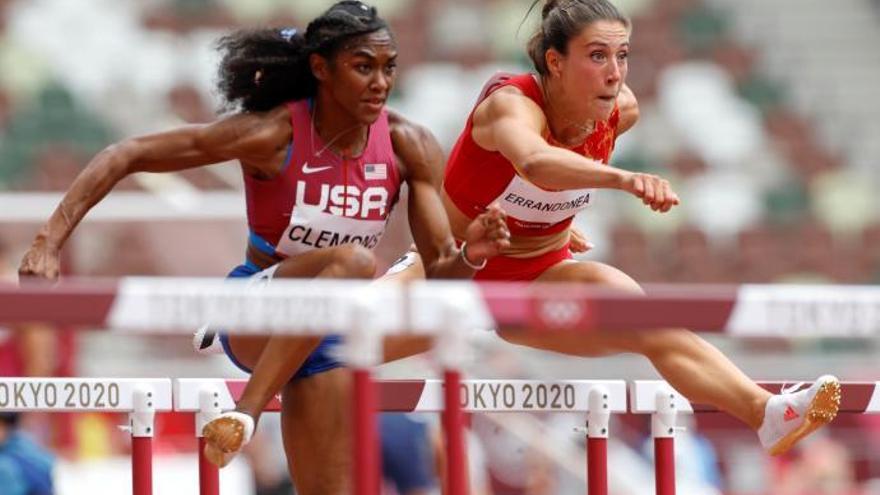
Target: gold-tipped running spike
{"x":822,"y":410}
{"x":223,"y":438}
{"x":217,"y":457}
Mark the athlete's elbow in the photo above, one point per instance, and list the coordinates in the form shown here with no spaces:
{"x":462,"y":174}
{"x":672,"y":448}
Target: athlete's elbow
{"x":118,"y":159}
{"x":531,"y":165}
{"x":434,"y":269}
{"x":441,"y":267}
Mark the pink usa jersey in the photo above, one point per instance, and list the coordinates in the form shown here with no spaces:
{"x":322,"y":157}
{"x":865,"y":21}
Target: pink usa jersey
{"x":320,"y":199}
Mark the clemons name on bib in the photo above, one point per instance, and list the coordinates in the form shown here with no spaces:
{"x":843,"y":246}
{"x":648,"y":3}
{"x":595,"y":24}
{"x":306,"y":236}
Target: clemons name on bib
{"x":341,"y":216}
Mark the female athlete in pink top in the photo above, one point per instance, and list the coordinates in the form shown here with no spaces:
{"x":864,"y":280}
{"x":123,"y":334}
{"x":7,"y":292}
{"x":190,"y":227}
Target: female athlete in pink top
{"x":323,"y":161}
{"x":538,"y":145}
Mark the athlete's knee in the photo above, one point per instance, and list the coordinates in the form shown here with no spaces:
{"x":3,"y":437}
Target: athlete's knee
{"x":517,"y":337}
{"x":355,"y":261}
{"x":619,"y":280}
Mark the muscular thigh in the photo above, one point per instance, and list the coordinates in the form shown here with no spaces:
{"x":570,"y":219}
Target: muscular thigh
{"x":596,"y":344}
{"x":590,"y":272}
{"x":351,"y":260}
{"x":312,"y":263}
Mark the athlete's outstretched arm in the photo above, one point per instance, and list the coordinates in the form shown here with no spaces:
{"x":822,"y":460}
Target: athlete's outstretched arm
{"x":512,"y":124}
{"x":423,"y":160}
{"x":239,"y":136}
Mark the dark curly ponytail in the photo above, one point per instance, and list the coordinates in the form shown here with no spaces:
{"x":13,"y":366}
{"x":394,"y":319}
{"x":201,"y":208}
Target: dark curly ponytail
{"x":261,"y":69}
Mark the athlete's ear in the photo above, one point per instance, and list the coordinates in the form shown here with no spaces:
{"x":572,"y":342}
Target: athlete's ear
{"x":319,"y":67}
{"x":554,"y":61}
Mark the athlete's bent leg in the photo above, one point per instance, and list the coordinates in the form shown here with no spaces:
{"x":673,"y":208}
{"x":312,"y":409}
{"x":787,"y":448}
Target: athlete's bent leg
{"x":315,"y":415}
{"x":690,"y":364}
{"x":275,"y":359}
{"x":697,"y":369}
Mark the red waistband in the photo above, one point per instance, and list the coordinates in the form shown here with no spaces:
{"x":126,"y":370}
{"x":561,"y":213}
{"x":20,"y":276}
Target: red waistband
{"x":506,"y":268}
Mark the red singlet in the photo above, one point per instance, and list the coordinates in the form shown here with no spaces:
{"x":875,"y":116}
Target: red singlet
{"x":476,"y":177}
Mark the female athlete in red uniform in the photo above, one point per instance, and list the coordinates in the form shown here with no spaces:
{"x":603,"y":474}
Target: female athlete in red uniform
{"x":538,"y":145}
{"x":323,"y":162}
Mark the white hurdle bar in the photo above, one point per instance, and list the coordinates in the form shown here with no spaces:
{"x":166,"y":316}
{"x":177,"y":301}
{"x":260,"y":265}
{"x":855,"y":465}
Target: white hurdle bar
{"x":141,"y":398}
{"x":365,"y":312}
{"x":154,"y":305}
{"x":597,"y":398}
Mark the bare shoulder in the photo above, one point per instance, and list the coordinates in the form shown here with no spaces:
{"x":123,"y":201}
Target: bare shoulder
{"x":503,"y":114}
{"x":415,"y":145}
{"x":405,"y":131}
{"x":257,"y":132}
{"x":254,"y":138}
{"x":408,"y":136}
{"x":629,"y":109}
{"x":508,"y":101}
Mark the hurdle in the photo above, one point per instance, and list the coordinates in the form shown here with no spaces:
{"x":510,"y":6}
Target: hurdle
{"x":141,"y":398}
{"x":158,"y":305}
{"x":208,"y":397}
{"x":446,"y":310}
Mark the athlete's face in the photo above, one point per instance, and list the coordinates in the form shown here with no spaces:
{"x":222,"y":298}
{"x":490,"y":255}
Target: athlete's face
{"x":362,"y":74}
{"x":594,"y":69}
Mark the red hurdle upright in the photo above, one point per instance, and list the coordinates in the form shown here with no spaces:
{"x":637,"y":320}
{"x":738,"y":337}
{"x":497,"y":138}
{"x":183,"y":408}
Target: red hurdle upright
{"x":453,"y":426}
{"x":141,"y":458}
{"x":366,"y":462}
{"x":209,"y":408}
{"x":598,"y":419}
{"x":363,"y":351}
{"x":451,"y":355}
{"x":663,"y":430}
{"x":141,"y":425}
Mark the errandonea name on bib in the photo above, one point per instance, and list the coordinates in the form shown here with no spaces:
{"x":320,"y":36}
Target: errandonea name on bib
{"x":529,"y":203}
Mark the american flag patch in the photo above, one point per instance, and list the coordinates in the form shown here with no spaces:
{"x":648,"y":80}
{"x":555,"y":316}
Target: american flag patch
{"x":375,"y":171}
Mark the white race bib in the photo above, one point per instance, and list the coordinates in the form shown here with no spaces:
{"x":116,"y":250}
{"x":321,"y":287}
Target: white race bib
{"x":310,"y":228}
{"x":524,"y":201}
